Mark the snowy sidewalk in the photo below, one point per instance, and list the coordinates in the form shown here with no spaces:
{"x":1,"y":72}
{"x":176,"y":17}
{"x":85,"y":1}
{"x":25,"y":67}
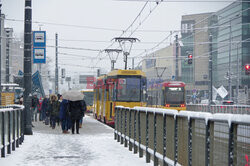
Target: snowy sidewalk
{"x":94,"y":146}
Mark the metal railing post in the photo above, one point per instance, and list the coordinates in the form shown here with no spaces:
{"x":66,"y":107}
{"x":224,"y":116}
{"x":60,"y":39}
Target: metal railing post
{"x":135,"y":147}
{"x":147,"y":142}
{"x":207,"y":148}
{"x":232,"y":157}
{"x":3,"y":134}
{"x":118,"y":121}
{"x":14,"y":131}
{"x":164,"y":148}
{"x":190,"y":142}
{"x":125,"y":130}
{"x":175,"y":140}
{"x":155,"y":141}
{"x":139,"y":134}
{"x":121,"y":125}
{"x":18,"y":129}
{"x":130,"y":143}
{"x":9,"y":135}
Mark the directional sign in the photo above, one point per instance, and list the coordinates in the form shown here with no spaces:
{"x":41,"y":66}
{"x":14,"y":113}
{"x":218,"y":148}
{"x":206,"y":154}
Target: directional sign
{"x":39,"y":55}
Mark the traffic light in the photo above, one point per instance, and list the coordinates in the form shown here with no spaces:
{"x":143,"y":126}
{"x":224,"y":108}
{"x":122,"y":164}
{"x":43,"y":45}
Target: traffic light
{"x":247,"y":69}
{"x":190,"y":59}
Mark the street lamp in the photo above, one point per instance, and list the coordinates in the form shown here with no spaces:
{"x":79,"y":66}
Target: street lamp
{"x":126,"y":45}
{"x":113,"y":55}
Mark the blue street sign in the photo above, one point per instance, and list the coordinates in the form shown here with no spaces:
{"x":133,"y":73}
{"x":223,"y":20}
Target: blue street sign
{"x":39,"y":55}
{"x":39,"y":39}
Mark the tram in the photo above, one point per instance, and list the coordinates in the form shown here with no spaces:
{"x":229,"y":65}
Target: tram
{"x":118,"y":88}
{"x":169,"y":94}
{"x":88,"y":98}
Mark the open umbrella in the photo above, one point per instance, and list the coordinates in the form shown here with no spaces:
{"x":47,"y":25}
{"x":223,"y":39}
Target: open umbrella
{"x":73,"y":95}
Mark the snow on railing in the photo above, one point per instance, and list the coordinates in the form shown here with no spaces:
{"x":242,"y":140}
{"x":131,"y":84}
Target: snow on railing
{"x":171,"y":137}
{"x":233,"y":109}
{"x":11,"y":128}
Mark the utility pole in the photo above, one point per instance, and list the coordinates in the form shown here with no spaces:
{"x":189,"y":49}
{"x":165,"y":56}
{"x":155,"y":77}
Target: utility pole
{"x":56,"y":70}
{"x":210,"y":71}
{"x":176,"y":57}
{"x":27,"y":67}
{"x":7,"y":67}
{"x":229,"y":66}
{"x":0,"y":52}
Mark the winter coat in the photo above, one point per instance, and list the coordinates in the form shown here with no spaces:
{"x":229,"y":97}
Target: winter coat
{"x":45,"y":105}
{"x":34,"y":102}
{"x":64,"y":109}
{"x":54,"y":106}
{"x":76,"y":109}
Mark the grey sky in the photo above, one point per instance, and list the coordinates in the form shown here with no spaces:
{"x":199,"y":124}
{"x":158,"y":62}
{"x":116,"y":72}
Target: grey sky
{"x":103,"y":14}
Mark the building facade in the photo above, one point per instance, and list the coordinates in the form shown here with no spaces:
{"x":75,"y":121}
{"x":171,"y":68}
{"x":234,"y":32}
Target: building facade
{"x":230,"y":43}
{"x":194,"y":38}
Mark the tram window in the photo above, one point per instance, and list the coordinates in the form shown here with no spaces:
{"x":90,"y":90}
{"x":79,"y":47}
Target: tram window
{"x":129,"y":89}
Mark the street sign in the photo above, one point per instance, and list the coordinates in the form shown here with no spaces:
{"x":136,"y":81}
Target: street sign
{"x":39,"y":38}
{"x":222,"y":91}
{"x":39,"y":47}
{"x":39,"y":55}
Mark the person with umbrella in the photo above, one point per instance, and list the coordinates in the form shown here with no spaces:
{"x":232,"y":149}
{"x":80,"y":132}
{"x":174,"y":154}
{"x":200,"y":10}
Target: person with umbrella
{"x":76,"y":108}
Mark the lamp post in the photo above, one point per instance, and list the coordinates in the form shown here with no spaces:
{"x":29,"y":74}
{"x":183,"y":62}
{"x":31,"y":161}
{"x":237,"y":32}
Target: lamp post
{"x":113,"y":55}
{"x":124,"y":42}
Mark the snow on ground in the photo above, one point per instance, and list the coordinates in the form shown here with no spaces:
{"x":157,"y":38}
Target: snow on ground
{"x":95,"y":146}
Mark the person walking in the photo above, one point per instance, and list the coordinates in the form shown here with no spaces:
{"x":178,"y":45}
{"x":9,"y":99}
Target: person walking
{"x":34,"y":105}
{"x":44,"y":109}
{"x":76,"y":109}
{"x":64,"y":116}
{"x":54,"y":107}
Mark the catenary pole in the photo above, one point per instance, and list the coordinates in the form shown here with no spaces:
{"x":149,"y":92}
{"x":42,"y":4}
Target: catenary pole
{"x":0,"y":51}
{"x":56,"y":70}
{"x":176,"y":56}
{"x":27,"y":67}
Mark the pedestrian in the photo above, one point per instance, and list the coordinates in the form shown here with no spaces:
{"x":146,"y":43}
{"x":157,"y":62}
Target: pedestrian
{"x":76,"y":109}
{"x":34,"y":105}
{"x":44,"y":109}
{"x":64,"y":116}
{"x":54,"y":107}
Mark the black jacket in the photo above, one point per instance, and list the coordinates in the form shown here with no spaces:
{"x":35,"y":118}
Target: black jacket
{"x":77,"y":109}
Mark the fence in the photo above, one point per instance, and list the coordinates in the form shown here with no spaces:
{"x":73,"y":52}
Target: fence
{"x":188,"y":138}
{"x":11,"y":128}
{"x":232,"y":109}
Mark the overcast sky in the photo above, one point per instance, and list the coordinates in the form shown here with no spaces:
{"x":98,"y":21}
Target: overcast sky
{"x":92,"y":24}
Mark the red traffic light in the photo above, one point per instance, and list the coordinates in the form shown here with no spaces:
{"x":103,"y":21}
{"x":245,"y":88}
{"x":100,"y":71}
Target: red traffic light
{"x":247,"y":67}
{"x":190,"y":56}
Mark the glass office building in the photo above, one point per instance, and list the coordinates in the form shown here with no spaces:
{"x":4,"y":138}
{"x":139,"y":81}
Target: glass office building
{"x":230,"y":28}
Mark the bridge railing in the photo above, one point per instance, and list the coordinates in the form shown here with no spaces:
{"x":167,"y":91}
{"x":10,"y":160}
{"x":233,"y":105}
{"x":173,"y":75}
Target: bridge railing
{"x":232,"y":109}
{"x":11,"y":128}
{"x":184,"y":138}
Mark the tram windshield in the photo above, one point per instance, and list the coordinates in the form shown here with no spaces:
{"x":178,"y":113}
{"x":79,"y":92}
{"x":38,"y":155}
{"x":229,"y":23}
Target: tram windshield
{"x":129,"y":89}
{"x":174,"y":95}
